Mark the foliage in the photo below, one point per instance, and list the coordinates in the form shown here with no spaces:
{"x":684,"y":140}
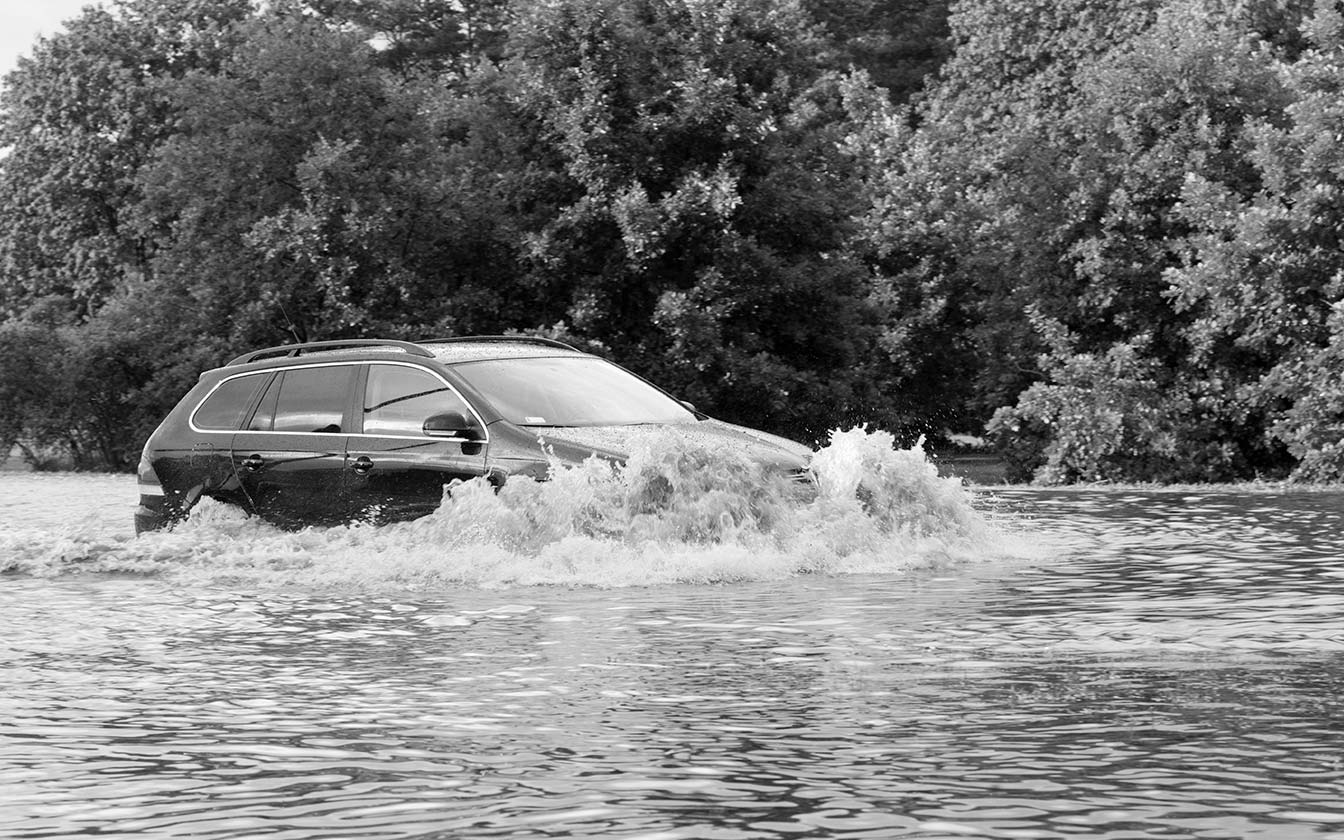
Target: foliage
{"x":268,"y":201}
{"x":1098,"y":417}
{"x":28,"y":358}
{"x":1313,"y":423}
{"x":1053,"y":172}
{"x":81,"y":117}
{"x":897,"y":43}
{"x":1110,"y":229}
{"x":663,"y":180}
{"x":1262,"y":277}
{"x":705,"y":231}
{"x":75,"y":396}
{"x":444,"y":36}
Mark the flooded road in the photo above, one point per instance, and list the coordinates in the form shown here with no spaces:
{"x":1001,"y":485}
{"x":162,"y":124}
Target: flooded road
{"x":1071,"y":664}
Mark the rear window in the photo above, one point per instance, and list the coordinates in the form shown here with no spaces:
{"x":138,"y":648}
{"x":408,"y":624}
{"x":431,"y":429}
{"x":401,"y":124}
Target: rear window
{"x":226,"y":406}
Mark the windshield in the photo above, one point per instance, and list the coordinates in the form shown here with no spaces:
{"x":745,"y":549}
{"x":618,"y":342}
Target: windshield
{"x":570,"y":391}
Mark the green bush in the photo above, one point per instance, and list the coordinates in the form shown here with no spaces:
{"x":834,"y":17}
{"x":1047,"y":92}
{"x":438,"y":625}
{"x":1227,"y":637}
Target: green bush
{"x":1313,"y":426}
{"x":31,"y":414}
{"x":88,"y":396}
{"x":1098,"y":417}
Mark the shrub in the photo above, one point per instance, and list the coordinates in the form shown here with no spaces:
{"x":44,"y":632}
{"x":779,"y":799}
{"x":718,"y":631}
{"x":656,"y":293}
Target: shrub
{"x":1313,"y":426}
{"x":1098,"y":417}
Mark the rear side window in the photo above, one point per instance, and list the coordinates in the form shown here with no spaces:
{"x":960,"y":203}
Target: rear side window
{"x":309,"y":399}
{"x":399,"y":399}
{"x":224,"y":409}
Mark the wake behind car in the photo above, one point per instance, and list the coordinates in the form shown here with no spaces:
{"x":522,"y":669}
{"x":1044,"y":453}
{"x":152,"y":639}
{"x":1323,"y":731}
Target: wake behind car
{"x":336,"y":431}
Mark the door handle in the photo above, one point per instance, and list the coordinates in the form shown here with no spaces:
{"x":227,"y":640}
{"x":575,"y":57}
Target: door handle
{"x":254,"y":463}
{"x":362,"y":464}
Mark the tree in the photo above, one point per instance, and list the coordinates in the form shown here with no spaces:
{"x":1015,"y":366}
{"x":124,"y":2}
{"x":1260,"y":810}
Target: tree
{"x":1263,"y":279}
{"x":28,"y":357}
{"x":1048,"y":175}
{"x":269,"y":198}
{"x":1098,"y":416}
{"x":973,"y":210}
{"x":706,"y":230}
{"x":441,"y":36}
{"x":898,"y":43}
{"x":80,"y":119}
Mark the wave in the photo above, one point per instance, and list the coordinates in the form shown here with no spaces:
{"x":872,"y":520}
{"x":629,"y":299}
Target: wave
{"x":675,"y":512}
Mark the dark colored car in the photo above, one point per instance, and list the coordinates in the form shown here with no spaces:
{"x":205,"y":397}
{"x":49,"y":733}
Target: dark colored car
{"x":335,"y":431}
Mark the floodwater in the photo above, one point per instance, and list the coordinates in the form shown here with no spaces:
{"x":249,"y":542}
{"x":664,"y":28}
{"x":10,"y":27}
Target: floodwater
{"x":899,"y":657}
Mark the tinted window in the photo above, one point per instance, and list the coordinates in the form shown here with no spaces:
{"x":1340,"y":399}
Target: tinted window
{"x":570,"y":391}
{"x":225,"y":407}
{"x":312,"y":399}
{"x":264,"y":416}
{"x":399,"y":399}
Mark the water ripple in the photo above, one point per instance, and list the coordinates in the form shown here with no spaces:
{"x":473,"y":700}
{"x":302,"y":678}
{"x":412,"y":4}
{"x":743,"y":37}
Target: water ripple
{"x":1168,"y":664}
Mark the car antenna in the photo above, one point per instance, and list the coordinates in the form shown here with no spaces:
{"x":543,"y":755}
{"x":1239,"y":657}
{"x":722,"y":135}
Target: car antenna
{"x":294,"y":331}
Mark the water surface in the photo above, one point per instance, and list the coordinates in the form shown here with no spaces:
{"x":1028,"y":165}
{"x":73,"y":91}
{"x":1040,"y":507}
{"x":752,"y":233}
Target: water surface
{"x":1059,"y":664}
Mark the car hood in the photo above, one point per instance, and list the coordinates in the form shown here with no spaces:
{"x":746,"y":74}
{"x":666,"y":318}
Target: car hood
{"x":614,"y":442}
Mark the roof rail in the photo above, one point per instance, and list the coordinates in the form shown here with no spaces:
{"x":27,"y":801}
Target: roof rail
{"x":320,"y":346}
{"x":521,"y":339}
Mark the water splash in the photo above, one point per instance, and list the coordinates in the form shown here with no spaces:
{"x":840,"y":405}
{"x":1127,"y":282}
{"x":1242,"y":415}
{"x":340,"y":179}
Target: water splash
{"x":676,"y":512}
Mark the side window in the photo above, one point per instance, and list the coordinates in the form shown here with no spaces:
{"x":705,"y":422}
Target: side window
{"x":399,"y":399}
{"x":264,"y":416}
{"x":311,"y":399}
{"x":225,"y":407}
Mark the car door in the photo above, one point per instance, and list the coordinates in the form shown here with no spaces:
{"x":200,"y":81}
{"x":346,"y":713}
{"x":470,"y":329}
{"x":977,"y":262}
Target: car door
{"x":214,"y":424}
{"x":206,"y":470}
{"x":395,"y":471}
{"x":290,"y":456}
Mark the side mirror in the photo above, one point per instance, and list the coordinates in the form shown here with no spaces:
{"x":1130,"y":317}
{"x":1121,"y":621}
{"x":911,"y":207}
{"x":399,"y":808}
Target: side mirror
{"x":450,"y":424}
{"x":688,"y":405}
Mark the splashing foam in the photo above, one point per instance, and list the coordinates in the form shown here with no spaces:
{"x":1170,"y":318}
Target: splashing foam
{"x":675,"y":512}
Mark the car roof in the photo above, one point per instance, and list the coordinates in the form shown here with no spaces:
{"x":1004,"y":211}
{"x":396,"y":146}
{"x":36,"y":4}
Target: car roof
{"x":483,"y":348}
{"x":446,"y":350}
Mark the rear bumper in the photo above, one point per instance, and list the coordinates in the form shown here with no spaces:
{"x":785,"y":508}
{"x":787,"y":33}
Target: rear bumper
{"x":148,"y":519}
